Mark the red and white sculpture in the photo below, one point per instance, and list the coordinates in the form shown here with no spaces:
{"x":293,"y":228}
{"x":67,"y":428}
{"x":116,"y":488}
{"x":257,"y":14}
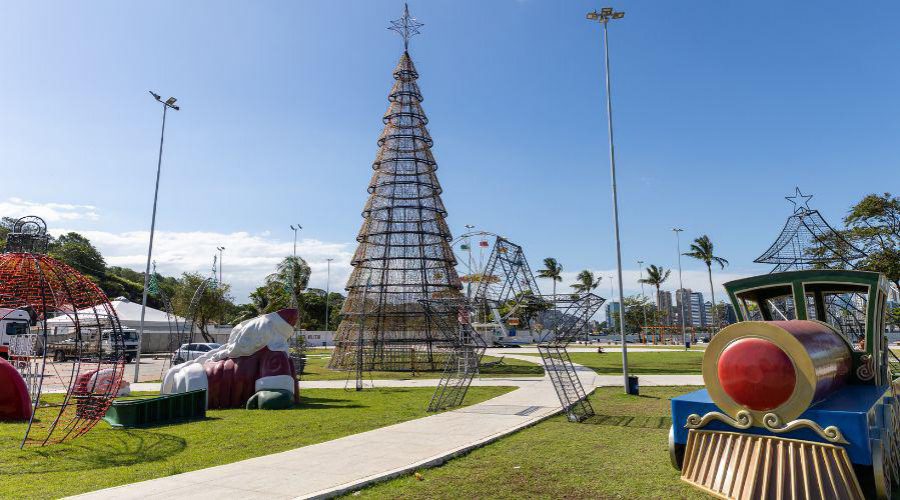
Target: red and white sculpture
{"x":252,"y":370}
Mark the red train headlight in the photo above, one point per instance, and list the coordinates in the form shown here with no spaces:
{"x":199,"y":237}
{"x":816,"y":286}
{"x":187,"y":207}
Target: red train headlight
{"x":756,"y":373}
{"x":780,"y":367}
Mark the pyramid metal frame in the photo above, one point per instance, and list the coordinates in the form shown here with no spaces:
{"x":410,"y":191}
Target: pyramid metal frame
{"x":404,"y":244}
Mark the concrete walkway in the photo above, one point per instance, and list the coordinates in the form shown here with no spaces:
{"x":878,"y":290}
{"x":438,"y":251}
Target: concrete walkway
{"x":349,"y":463}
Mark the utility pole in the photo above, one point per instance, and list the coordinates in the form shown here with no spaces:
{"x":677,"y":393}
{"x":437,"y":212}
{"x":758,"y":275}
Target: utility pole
{"x":643,"y":295}
{"x":221,"y":250}
{"x":168,"y":103}
{"x":294,"y":267}
{"x":327,"y":292}
{"x":680,"y":294}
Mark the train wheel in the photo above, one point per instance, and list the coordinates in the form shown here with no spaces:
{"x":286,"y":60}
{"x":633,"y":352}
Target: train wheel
{"x":676,"y":451}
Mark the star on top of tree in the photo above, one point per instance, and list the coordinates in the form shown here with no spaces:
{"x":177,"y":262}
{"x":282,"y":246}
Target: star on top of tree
{"x":407,"y":26}
{"x":799,"y":201}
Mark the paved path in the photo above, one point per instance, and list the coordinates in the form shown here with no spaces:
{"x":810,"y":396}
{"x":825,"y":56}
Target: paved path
{"x":349,"y":463}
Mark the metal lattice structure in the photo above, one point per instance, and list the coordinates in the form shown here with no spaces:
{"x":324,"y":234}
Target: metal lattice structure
{"x":807,"y":240}
{"x":71,"y":396}
{"x":565,"y":316}
{"x":186,"y":335}
{"x":174,"y":326}
{"x":498,"y":283}
{"x":452,"y":317}
{"x":404,"y":249}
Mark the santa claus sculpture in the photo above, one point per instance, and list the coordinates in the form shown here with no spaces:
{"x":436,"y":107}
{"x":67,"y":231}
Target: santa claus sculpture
{"x":253,"y":370}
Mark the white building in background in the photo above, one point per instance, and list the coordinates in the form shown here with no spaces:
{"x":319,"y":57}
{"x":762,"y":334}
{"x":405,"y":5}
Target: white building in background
{"x":318,"y":338}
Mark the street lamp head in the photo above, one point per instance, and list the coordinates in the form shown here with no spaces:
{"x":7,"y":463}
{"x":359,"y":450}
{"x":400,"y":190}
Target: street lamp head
{"x":155,"y":95}
{"x":293,"y":228}
{"x":605,"y":14}
{"x":677,"y":229}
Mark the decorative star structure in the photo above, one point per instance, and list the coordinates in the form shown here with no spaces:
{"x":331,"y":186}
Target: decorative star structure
{"x":407,"y":26}
{"x":799,"y":200}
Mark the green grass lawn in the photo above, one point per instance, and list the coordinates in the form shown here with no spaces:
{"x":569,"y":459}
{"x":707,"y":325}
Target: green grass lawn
{"x":317,"y":369}
{"x":640,"y":363}
{"x":620,"y":453}
{"x":108,"y":457}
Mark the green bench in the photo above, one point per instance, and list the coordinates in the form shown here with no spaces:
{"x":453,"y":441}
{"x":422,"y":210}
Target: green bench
{"x":160,"y":410}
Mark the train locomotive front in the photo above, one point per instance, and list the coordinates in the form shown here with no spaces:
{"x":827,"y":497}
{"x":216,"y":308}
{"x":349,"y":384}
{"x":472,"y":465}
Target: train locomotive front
{"x":799,"y":400}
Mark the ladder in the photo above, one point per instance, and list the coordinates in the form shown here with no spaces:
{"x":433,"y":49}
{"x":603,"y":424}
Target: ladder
{"x":559,"y":367}
{"x":459,"y":370}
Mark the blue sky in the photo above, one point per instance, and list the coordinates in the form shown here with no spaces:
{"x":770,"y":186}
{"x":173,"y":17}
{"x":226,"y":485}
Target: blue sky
{"x":720,"y":110}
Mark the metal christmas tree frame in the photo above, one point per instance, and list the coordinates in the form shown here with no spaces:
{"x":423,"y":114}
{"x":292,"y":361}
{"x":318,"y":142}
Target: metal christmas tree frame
{"x":404,"y":250}
{"x":807,"y":240}
{"x":71,"y":396}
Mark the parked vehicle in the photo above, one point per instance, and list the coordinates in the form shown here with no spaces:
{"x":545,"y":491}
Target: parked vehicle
{"x":90,"y":348}
{"x":13,"y":323}
{"x":188,"y":352}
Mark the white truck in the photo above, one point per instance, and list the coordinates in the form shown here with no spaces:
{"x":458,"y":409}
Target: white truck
{"x":15,"y":327}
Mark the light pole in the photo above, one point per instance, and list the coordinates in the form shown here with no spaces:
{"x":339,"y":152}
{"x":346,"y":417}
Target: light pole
{"x":681,"y":286}
{"x":643,"y":295}
{"x":294,"y":266}
{"x":221,"y":250}
{"x":469,"y":228}
{"x":168,"y":103}
{"x":603,"y":18}
{"x":327,"y":291}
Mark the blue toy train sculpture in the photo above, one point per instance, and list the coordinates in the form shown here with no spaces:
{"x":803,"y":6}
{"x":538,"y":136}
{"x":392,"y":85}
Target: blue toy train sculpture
{"x":799,"y":400}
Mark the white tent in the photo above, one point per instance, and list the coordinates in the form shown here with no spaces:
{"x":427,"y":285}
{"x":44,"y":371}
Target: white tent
{"x":129,"y":314}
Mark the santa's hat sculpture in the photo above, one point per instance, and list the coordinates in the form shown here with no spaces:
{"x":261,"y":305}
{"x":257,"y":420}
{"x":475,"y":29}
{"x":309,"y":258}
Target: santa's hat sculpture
{"x":253,"y":370}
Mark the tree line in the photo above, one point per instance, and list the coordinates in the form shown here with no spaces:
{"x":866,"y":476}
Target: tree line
{"x":287,"y":286}
{"x":871,"y":226}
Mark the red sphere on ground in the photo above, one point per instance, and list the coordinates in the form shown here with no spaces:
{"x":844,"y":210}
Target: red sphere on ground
{"x":756,"y":373}
{"x":15,"y":403}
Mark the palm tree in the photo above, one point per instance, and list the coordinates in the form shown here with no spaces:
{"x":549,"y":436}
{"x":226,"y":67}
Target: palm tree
{"x":553,"y":270}
{"x":586,"y":282}
{"x":293,"y":274}
{"x":656,"y":276}
{"x":702,"y":249}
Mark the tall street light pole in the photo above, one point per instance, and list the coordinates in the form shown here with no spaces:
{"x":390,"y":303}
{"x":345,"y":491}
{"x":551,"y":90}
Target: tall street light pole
{"x":168,"y":103}
{"x":603,"y":18}
{"x":677,"y":232}
{"x":327,"y":292}
{"x":294,"y":266}
{"x":643,"y":295}
{"x":221,"y":250}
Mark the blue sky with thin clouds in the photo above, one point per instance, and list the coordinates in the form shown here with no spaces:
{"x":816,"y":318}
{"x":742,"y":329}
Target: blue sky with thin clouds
{"x":721,"y":108}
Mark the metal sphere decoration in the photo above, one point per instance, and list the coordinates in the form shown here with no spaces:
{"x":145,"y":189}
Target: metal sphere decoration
{"x":72,"y":372}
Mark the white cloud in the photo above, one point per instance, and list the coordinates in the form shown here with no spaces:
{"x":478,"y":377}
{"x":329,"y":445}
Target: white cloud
{"x":50,"y":212}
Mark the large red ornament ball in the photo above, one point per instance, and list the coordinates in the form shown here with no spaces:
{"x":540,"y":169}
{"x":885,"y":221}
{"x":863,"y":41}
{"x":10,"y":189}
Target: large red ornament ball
{"x":15,"y":403}
{"x":757,"y":374}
